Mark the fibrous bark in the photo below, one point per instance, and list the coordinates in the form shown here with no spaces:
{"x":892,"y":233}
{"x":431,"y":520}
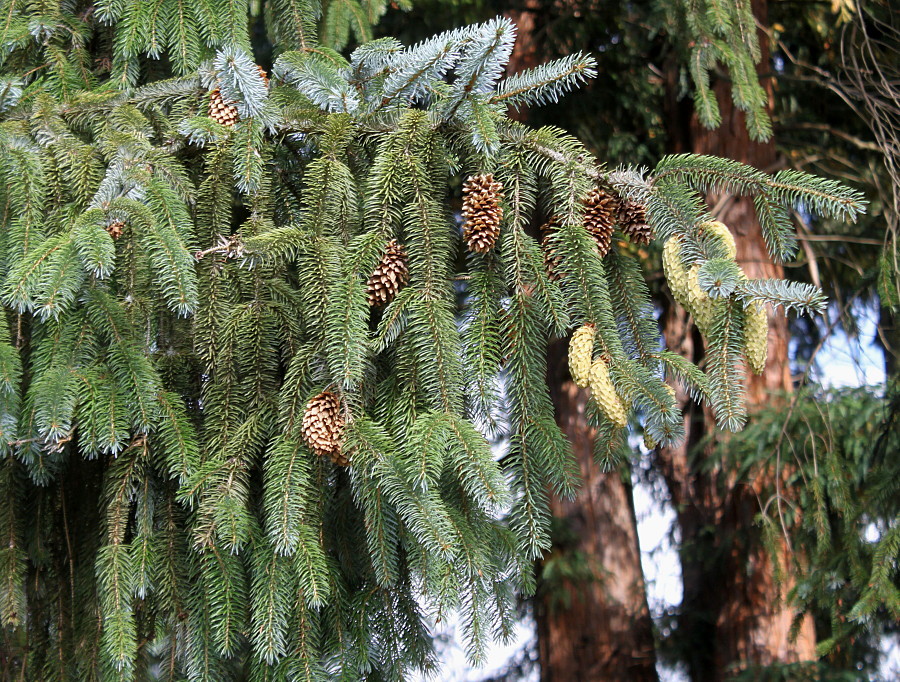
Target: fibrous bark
{"x":598,"y":626}
{"x":732,"y":614}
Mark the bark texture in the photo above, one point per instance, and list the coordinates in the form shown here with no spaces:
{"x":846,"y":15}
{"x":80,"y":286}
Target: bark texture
{"x":731,"y":615}
{"x":597,"y":625}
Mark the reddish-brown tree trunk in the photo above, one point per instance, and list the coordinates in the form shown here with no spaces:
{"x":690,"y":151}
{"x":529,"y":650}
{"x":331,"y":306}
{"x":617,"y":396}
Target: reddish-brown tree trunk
{"x":594,"y":625}
{"x":731,"y":612}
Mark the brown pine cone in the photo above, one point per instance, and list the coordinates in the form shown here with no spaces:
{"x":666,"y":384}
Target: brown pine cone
{"x":482,"y":211}
{"x":323,"y":427}
{"x":219,"y":111}
{"x":390,"y":275}
{"x":633,"y":221}
{"x":599,"y":218}
{"x":116,"y":228}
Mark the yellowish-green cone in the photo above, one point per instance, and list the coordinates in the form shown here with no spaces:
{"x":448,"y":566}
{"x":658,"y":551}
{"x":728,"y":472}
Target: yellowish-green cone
{"x":756,"y":333}
{"x":721,"y":231}
{"x":581,"y":352}
{"x":676,"y":274}
{"x":685,"y":288}
{"x":605,"y":394}
{"x":703,"y":307}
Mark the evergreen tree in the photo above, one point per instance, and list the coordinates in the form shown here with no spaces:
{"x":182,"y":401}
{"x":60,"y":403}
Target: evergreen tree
{"x":224,"y":456}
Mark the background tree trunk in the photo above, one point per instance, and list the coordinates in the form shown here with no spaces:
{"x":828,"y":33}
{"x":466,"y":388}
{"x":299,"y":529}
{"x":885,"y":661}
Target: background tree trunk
{"x":595,"y":626}
{"x":730,"y":614}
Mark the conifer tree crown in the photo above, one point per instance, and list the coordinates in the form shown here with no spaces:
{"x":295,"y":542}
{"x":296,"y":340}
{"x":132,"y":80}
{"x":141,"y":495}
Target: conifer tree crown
{"x":178,"y":292}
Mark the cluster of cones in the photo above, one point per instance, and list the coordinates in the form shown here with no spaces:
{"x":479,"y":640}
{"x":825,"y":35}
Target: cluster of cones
{"x":602,"y":212}
{"x":588,"y":372}
{"x":483,"y":213}
{"x":323,"y":423}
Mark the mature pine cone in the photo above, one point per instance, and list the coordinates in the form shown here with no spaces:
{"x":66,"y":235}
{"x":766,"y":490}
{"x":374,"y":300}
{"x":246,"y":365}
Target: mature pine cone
{"x":219,"y":111}
{"x":390,"y":274}
{"x":115,"y":229}
{"x":599,"y":218}
{"x":322,"y":427}
{"x":482,"y":211}
{"x":633,"y":221}
{"x":552,"y":260}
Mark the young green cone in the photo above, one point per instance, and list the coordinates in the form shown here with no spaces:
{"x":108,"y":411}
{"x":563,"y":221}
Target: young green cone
{"x":605,"y":394}
{"x":756,"y":336}
{"x":581,"y":352}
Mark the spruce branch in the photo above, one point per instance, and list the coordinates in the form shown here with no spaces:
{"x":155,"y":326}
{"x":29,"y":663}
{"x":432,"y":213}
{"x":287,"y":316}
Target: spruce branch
{"x":724,"y":365}
{"x":719,"y":277}
{"x":806,"y":299}
{"x":545,"y":83}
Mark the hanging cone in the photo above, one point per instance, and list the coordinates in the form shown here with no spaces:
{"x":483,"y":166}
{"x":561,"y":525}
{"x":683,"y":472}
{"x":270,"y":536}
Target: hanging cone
{"x":702,"y":306}
{"x":633,"y":221}
{"x":552,"y":260}
{"x":219,"y":111}
{"x":581,"y":353}
{"x":721,"y":232}
{"x":482,"y":211}
{"x":323,"y":426}
{"x":605,"y":394}
{"x":116,"y":228}
{"x":756,"y":336}
{"x":599,"y":218}
{"x":685,"y":288}
{"x":390,"y":275}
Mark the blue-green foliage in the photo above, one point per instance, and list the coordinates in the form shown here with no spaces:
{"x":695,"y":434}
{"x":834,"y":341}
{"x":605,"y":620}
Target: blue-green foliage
{"x":175,"y":291}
